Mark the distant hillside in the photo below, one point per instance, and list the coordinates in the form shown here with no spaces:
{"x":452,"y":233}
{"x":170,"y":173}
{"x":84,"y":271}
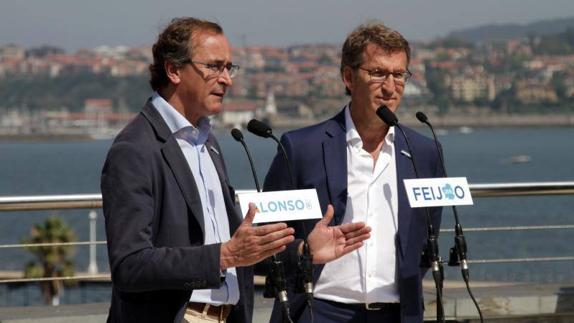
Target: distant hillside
{"x":490,"y":33}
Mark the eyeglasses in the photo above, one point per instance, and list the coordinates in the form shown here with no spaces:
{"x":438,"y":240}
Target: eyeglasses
{"x":378,"y":76}
{"x":217,"y":68}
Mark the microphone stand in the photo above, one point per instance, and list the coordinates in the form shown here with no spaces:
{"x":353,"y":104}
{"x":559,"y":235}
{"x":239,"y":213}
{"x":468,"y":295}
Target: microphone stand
{"x":430,"y":256}
{"x":275,"y":282}
{"x":305,"y":263}
{"x":458,"y":253}
{"x":237,"y":135}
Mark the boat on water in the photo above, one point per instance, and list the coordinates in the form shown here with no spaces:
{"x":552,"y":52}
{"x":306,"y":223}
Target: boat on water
{"x":441,"y":132}
{"x":517,"y":159}
{"x":520,"y":159}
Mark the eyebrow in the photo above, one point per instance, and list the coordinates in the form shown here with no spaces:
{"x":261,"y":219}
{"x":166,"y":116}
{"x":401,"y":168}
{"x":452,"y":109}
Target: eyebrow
{"x":377,"y":69}
{"x":219,"y":61}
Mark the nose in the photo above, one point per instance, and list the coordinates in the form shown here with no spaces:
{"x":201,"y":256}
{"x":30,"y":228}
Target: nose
{"x":225,"y":77}
{"x":388,"y":85}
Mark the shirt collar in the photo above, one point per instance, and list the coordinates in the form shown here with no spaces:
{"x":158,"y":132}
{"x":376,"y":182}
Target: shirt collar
{"x":178,"y":124}
{"x":352,"y":134}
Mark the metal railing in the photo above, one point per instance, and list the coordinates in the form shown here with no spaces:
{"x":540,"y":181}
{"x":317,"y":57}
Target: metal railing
{"x":50,"y":202}
{"x":94,"y":201}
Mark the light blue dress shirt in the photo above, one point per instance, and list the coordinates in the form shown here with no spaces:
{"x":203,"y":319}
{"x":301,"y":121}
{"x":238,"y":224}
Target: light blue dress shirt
{"x":192,"y":140}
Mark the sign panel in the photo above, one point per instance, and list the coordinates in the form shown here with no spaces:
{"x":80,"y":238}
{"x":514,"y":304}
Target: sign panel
{"x":445,"y":191}
{"x":280,"y":206}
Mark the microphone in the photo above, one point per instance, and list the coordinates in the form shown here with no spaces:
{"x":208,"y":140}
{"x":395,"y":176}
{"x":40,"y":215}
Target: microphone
{"x":305,"y":275}
{"x":389,"y":117}
{"x":458,"y":253}
{"x":431,"y":254}
{"x":261,"y":129}
{"x":424,"y":119}
{"x":238,"y":136}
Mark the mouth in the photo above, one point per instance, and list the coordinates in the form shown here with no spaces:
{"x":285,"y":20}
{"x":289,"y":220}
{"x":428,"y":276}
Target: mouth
{"x":385,"y":101}
{"x":218,"y":95}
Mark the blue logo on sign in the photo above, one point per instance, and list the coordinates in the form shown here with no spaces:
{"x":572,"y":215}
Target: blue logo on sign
{"x":448,"y":192}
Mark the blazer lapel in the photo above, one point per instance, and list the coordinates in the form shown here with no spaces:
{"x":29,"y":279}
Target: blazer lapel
{"x":228,"y":194}
{"x":177,"y":163}
{"x":404,"y":171}
{"x":335,"y":160}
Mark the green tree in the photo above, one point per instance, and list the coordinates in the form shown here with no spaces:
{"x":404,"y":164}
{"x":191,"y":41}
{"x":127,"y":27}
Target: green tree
{"x":51,"y":261}
{"x":436,"y":83}
{"x":37,"y":92}
{"x":557,"y":82}
{"x":451,"y":42}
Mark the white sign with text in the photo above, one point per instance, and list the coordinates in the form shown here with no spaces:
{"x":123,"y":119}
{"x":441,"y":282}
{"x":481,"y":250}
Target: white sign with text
{"x":280,"y":206}
{"x":445,"y":191}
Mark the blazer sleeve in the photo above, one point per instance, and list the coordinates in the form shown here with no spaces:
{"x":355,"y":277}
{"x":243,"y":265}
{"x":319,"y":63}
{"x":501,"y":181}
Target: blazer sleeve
{"x":137,"y":264}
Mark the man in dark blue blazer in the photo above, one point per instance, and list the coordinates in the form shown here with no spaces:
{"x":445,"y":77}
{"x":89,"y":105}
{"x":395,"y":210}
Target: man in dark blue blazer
{"x":171,"y":221}
{"x":178,"y":250}
{"x":357,"y":163}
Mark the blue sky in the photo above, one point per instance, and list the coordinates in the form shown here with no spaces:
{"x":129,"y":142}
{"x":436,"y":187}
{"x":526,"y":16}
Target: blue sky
{"x":74,"y":24}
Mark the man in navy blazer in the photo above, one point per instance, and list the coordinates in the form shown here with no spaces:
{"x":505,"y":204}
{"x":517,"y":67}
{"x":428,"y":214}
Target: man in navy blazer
{"x":178,"y":250}
{"x":357,"y":163}
{"x":171,"y":221}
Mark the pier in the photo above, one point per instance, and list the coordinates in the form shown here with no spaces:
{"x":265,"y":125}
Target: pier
{"x":500,"y":301}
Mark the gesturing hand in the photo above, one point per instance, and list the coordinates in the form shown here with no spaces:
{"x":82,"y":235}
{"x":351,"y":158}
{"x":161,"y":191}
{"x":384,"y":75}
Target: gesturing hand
{"x":328,"y":243}
{"x":250,"y":244}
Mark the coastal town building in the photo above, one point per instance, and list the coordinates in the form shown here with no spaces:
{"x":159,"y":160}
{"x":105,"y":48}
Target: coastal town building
{"x":292,"y":83}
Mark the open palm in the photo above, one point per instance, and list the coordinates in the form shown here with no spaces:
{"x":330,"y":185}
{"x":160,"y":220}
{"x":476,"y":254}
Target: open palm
{"x":328,"y":243}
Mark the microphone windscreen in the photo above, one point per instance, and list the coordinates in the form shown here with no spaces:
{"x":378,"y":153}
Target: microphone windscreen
{"x":236,"y":134}
{"x":259,"y":128}
{"x":422,"y":117}
{"x":387,"y":116}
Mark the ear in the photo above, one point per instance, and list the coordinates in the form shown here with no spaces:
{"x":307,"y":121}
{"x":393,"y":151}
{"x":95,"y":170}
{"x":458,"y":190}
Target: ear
{"x":347,"y":76}
{"x":172,"y":72}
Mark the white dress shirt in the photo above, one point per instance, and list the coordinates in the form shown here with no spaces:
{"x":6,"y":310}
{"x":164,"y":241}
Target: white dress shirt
{"x":191,"y":140}
{"x":367,"y":275}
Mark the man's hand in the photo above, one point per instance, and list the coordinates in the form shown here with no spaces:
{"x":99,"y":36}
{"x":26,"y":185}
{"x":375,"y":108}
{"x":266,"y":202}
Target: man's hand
{"x":330,"y":243}
{"x":250,"y":244}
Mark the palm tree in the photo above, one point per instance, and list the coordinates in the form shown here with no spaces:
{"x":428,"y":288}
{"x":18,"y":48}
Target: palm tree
{"x":51,"y":261}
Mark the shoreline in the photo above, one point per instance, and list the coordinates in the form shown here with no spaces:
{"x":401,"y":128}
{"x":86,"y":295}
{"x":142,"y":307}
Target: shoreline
{"x":461,"y":120}
{"x":44,"y":137}
{"x":445,"y":122}
{"x":498,"y":121}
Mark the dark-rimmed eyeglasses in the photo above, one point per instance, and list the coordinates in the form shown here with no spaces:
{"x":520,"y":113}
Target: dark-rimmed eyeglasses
{"x":379,"y":76}
{"x":217,"y":68}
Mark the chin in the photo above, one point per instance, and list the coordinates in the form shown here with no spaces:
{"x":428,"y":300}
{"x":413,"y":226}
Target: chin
{"x":215,"y":109}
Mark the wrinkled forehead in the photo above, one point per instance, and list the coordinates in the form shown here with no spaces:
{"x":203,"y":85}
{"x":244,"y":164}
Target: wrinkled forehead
{"x":373,"y":53}
{"x":210,"y":45}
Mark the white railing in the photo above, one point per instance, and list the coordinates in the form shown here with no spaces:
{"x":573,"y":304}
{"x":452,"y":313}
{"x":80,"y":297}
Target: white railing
{"x":94,"y":201}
